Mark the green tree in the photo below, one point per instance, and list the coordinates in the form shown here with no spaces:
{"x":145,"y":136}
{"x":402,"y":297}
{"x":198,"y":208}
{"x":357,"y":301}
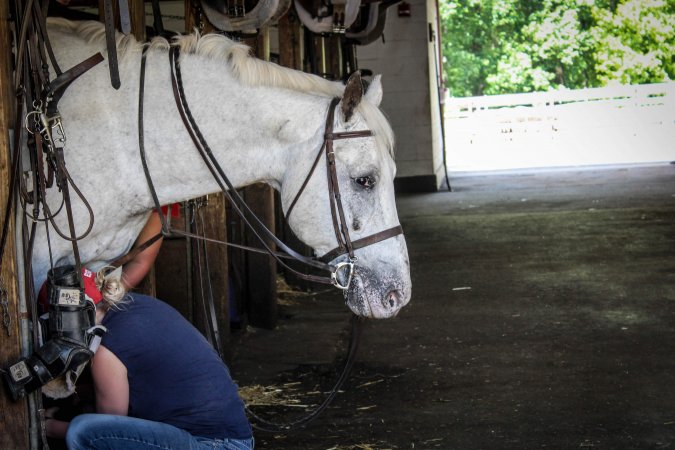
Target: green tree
{"x":505,"y":46}
{"x":636,"y":42}
{"x":475,"y":34}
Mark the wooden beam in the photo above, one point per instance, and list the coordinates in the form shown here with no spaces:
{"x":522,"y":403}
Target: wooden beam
{"x":13,"y":415}
{"x":262,"y":269}
{"x":137,"y":15}
{"x":290,"y":40}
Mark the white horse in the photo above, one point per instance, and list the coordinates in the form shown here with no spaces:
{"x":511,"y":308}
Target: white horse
{"x":264,"y":123}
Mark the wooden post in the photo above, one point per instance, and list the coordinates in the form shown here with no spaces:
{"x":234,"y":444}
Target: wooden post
{"x":14,"y":415}
{"x":262,"y":273}
{"x":290,"y":41}
{"x":137,"y":16}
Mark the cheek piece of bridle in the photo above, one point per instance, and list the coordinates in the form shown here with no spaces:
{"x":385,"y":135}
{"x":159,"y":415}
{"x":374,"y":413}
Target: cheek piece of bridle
{"x":340,"y":274}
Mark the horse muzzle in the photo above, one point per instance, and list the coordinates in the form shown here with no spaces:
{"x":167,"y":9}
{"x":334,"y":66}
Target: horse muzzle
{"x":371,"y":294}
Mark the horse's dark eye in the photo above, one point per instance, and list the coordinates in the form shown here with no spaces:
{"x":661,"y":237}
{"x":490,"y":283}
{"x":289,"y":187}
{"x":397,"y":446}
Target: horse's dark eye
{"x":367,"y":182}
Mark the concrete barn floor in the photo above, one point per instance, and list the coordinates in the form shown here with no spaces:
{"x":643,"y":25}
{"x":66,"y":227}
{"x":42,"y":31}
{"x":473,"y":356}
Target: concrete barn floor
{"x":542,"y":316}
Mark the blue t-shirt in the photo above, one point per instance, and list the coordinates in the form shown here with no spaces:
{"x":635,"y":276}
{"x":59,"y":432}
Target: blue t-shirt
{"x":174,"y":374}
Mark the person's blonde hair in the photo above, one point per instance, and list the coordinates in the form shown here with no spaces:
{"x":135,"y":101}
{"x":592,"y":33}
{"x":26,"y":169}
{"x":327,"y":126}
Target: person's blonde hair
{"x":111,"y":286}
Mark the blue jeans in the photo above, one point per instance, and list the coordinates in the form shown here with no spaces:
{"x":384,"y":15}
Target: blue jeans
{"x":103,"y":431}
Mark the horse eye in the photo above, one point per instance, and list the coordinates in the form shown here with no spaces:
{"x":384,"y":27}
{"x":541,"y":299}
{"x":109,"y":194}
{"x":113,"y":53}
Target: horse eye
{"x":367,"y":182}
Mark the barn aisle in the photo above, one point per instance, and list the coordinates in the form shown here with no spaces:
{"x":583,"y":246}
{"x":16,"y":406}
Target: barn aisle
{"x":542,"y":316}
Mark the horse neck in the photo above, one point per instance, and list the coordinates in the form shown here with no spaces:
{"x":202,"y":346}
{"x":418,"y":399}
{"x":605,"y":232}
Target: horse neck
{"x":254,"y":132}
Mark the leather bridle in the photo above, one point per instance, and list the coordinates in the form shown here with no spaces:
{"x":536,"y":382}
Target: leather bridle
{"x":340,"y":227}
{"x":345,"y":244}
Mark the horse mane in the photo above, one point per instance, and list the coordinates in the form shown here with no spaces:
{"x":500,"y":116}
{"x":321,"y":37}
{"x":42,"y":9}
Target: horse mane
{"x":249,"y":70}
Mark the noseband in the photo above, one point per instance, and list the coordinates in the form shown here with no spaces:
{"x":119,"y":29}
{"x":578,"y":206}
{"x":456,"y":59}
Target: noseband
{"x":345,"y":245}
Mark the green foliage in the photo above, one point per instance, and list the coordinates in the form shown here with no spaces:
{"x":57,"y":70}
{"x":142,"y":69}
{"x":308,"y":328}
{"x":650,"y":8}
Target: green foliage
{"x":506,"y":46}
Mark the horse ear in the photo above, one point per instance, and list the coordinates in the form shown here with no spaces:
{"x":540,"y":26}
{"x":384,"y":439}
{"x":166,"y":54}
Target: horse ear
{"x":352,"y":95}
{"x":374,"y":91}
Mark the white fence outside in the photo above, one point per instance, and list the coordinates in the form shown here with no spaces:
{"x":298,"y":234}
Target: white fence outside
{"x":612,"y":125}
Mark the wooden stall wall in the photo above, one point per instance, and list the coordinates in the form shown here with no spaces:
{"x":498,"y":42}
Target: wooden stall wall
{"x":13,"y":415}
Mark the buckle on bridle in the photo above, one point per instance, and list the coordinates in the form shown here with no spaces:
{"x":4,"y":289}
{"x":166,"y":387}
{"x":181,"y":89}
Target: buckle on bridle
{"x":347,"y":266}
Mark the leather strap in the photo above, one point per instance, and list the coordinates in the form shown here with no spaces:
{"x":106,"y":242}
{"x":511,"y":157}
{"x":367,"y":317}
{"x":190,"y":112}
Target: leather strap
{"x":58,"y":86}
{"x":136,"y":250}
{"x":365,"y":241}
{"x":304,"y":184}
{"x":157,"y":23}
{"x":111,"y":43}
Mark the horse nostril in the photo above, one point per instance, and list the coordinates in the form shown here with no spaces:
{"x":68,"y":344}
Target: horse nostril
{"x":393,"y":298}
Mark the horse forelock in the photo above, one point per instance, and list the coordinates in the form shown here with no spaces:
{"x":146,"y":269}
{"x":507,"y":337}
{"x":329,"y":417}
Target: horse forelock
{"x":247,"y":69}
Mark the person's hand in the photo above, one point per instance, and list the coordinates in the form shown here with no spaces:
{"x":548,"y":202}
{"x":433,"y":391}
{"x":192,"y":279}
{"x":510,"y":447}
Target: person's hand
{"x":54,"y":428}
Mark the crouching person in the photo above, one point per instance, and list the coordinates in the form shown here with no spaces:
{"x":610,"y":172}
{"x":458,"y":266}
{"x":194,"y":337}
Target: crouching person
{"x":158,"y":383}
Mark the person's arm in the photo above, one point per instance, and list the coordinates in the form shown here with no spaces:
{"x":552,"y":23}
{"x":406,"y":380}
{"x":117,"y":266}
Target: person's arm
{"x":137,"y":268}
{"x":111,"y":384}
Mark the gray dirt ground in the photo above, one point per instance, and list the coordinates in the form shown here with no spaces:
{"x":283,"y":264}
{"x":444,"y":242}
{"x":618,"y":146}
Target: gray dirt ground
{"x":542,"y":316}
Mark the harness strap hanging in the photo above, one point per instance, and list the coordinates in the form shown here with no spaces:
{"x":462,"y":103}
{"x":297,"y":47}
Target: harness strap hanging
{"x":141,"y":147}
{"x":211,"y":323}
{"x":42,"y":28}
{"x":111,"y":43}
{"x":157,"y":23}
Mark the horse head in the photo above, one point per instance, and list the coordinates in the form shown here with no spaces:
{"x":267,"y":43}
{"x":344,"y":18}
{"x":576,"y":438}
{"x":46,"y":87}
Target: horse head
{"x":378,"y":283}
